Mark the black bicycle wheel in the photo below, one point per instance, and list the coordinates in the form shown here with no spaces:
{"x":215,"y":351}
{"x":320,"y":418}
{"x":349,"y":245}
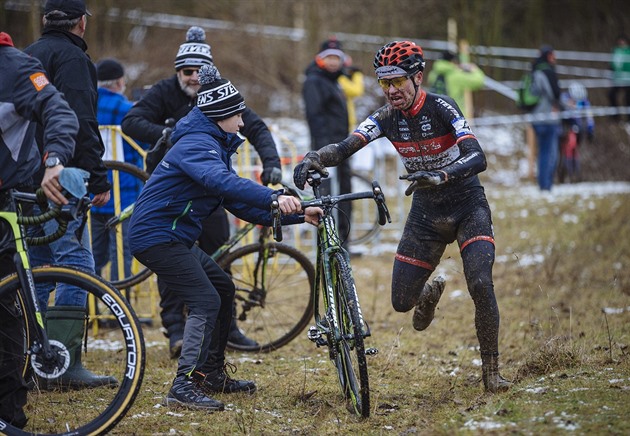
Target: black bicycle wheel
{"x":117,"y":351}
{"x":273,"y":293}
{"x":139,"y":272}
{"x":350,"y":357}
{"x":364,"y":213}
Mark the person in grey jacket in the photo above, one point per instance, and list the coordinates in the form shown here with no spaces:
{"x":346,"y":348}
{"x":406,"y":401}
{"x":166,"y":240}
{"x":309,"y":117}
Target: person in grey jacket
{"x":194,"y":178}
{"x":27,"y":98}
{"x":547,"y":129}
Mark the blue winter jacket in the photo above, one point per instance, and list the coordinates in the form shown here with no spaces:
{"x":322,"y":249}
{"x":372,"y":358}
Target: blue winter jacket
{"x":111,"y":109}
{"x":193,"y":179}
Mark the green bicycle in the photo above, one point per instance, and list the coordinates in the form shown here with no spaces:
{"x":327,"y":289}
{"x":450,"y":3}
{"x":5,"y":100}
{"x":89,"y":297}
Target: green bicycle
{"x":118,"y":352}
{"x":339,"y":325}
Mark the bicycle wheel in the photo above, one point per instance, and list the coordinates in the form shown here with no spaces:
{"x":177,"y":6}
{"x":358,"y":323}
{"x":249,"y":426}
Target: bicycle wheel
{"x":364,"y":213}
{"x":273,"y":293}
{"x":130,"y":177}
{"x":117,"y":351}
{"x":350,"y":357}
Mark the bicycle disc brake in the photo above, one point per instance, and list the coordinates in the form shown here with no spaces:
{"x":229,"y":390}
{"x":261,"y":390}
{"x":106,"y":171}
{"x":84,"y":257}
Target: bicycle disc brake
{"x":52,"y":367}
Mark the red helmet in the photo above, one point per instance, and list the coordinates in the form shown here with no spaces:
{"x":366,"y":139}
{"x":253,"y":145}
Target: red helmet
{"x":399,"y":57}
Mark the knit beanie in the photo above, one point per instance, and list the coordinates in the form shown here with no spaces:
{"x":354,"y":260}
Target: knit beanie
{"x":109,"y":69}
{"x":331,"y":47}
{"x":217,"y":98}
{"x":194,"y":52}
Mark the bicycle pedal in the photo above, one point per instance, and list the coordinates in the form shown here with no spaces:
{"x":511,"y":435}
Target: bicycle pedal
{"x":371,"y":351}
{"x":314,"y":334}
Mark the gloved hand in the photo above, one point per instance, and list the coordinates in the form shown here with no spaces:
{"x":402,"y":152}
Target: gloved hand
{"x":271,"y":176}
{"x":423,"y":179}
{"x":311,"y":161}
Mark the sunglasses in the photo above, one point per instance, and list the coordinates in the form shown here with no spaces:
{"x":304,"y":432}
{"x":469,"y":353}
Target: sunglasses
{"x":398,"y":82}
{"x":189,"y":72}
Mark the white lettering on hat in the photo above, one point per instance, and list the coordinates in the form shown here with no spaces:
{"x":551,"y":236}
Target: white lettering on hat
{"x":203,"y":49}
{"x":217,"y":94}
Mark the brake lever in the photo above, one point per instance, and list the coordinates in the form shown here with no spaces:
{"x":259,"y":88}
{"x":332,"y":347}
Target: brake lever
{"x":276,"y":218}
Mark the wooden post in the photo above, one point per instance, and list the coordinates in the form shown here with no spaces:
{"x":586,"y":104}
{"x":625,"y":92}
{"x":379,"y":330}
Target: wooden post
{"x":464,"y":57}
{"x":530,"y":140}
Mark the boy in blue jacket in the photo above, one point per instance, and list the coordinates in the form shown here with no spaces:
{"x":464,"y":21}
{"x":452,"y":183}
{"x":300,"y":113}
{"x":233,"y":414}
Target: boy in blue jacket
{"x":194,"y":178}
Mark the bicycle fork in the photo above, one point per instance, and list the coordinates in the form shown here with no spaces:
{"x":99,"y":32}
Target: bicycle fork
{"x":45,"y":354}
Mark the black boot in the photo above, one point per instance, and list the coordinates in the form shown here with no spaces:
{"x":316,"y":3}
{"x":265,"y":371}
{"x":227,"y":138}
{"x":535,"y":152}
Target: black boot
{"x":217,"y":381}
{"x":67,"y":324}
{"x":187,"y":393}
{"x":429,"y":298}
{"x":236,"y":336}
{"x":492,"y":380}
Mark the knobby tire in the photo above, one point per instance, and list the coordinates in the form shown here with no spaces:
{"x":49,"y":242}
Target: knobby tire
{"x":350,"y":358}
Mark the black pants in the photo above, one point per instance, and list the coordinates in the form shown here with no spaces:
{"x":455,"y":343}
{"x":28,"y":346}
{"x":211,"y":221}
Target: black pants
{"x":13,"y":390}
{"x":612,"y":97}
{"x":206,"y":290}
{"x":429,"y":229}
{"x":215,"y":232}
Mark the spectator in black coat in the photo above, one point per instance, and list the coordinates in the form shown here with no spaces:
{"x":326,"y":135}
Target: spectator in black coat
{"x":327,"y":117}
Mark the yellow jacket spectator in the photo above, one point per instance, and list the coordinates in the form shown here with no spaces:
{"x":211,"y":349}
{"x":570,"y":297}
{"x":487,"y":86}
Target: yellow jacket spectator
{"x":448,"y":77}
{"x":351,"y":82}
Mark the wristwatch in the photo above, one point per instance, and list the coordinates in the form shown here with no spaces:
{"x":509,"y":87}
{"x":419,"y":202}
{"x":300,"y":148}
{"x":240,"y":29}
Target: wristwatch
{"x":52,"y":162}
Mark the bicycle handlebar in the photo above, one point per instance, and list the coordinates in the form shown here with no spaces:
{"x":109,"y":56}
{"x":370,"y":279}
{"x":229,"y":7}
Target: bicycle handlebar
{"x":77,"y":207}
{"x":328,"y":201}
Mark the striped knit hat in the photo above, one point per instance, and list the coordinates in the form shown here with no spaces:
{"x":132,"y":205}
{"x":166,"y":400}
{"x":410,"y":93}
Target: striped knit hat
{"x":194,"y":52}
{"x":217,"y":98}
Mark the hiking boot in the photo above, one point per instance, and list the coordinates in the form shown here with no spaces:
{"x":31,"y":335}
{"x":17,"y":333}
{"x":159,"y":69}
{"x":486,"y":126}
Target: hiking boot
{"x":187,"y":393}
{"x":492,"y":380}
{"x":429,"y":298}
{"x":218,"y":381}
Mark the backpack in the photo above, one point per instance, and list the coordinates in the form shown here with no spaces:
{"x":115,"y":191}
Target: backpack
{"x":527,"y":94}
{"x":439,"y":86}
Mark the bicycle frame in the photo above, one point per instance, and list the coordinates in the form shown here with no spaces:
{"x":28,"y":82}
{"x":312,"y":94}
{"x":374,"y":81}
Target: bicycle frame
{"x":23,"y":269}
{"x":341,"y":326}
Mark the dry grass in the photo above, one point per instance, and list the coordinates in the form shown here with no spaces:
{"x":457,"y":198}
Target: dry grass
{"x":569,"y":359}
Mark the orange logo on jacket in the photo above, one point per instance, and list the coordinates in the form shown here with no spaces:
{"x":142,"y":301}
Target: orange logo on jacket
{"x":39,"y":80}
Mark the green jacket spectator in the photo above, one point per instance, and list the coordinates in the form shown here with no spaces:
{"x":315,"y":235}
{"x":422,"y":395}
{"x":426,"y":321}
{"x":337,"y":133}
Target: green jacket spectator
{"x":620,"y":64}
{"x":450,"y":78}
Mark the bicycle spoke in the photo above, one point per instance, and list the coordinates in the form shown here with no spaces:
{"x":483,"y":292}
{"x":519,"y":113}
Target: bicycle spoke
{"x":272,"y":293}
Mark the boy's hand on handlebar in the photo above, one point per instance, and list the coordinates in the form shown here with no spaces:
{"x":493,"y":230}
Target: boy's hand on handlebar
{"x":100,"y":199}
{"x":289,"y":204}
{"x":312,"y":215}
{"x":311,"y":161}
{"x":52,"y":187}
